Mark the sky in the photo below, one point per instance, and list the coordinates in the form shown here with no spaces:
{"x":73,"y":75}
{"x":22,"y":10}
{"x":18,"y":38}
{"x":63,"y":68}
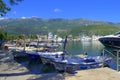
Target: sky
{"x":101,"y":10}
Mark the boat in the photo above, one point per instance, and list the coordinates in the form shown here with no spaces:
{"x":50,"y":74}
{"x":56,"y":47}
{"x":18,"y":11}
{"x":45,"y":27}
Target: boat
{"x":112,"y":40}
{"x":72,"y":64}
{"x":85,"y":38}
{"x":21,"y":52}
{"x":48,"y":57}
{"x":35,"y":54}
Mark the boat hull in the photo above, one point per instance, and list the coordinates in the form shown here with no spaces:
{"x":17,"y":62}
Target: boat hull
{"x":67,"y":67}
{"x":19,"y":53}
{"x":113,"y":42}
{"x":34,"y":56}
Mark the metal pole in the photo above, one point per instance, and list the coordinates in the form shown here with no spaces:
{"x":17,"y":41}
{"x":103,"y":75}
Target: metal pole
{"x":24,"y":42}
{"x":37,"y":49}
{"x":103,"y":58}
{"x":117,"y":60}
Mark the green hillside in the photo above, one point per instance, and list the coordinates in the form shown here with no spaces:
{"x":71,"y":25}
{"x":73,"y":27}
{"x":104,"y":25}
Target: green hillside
{"x":58,"y":26}
{"x":95,"y":30}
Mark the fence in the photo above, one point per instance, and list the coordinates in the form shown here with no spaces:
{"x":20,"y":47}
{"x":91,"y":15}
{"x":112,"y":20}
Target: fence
{"x":114,"y":57}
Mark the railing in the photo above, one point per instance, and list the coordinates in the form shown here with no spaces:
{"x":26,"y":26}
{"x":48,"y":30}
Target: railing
{"x":118,"y":60}
{"x":115,"y":57}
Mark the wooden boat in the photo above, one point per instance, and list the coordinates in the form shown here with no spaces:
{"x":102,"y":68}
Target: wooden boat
{"x":48,"y":57}
{"x":76,"y":63}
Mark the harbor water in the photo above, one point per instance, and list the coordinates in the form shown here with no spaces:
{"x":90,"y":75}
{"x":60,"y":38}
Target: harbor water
{"x":92,"y":48}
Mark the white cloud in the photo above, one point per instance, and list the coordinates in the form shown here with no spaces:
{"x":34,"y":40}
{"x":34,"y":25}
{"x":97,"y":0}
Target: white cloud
{"x":23,"y":17}
{"x":57,"y":10}
{"x":1,"y":18}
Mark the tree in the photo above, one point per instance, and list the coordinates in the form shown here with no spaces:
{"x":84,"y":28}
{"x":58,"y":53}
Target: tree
{"x":4,"y":8}
{"x":3,"y":35}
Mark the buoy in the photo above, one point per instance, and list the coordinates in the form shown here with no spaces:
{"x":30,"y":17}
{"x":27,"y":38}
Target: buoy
{"x":6,"y":47}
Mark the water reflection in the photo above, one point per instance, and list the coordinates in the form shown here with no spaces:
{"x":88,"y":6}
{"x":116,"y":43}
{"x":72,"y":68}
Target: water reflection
{"x":91,"y":47}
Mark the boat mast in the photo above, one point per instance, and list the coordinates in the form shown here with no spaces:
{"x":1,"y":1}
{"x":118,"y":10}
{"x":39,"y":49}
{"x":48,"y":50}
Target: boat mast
{"x":64,"y":46}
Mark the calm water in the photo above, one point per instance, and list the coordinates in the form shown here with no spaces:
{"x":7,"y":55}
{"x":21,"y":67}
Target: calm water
{"x":92,"y":48}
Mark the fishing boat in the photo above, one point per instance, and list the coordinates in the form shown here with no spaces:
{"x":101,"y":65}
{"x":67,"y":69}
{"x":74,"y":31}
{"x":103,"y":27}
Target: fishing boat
{"x":35,"y":54}
{"x":72,"y":64}
{"x":48,"y":57}
{"x":67,"y":62}
{"x":19,"y":53}
{"x":22,"y":52}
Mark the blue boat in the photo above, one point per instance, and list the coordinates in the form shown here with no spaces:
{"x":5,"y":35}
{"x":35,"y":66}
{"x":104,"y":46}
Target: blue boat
{"x":77,"y":63}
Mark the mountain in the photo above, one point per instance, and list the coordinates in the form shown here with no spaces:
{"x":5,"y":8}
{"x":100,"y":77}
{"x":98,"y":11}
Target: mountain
{"x":36,"y":25}
{"x":95,"y":30}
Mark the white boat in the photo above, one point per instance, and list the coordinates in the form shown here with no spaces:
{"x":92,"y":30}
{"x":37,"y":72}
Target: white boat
{"x":48,"y":57}
{"x":72,"y":64}
{"x":34,"y":54}
{"x":111,"y":40}
{"x":95,"y":38}
{"x":85,"y":38}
